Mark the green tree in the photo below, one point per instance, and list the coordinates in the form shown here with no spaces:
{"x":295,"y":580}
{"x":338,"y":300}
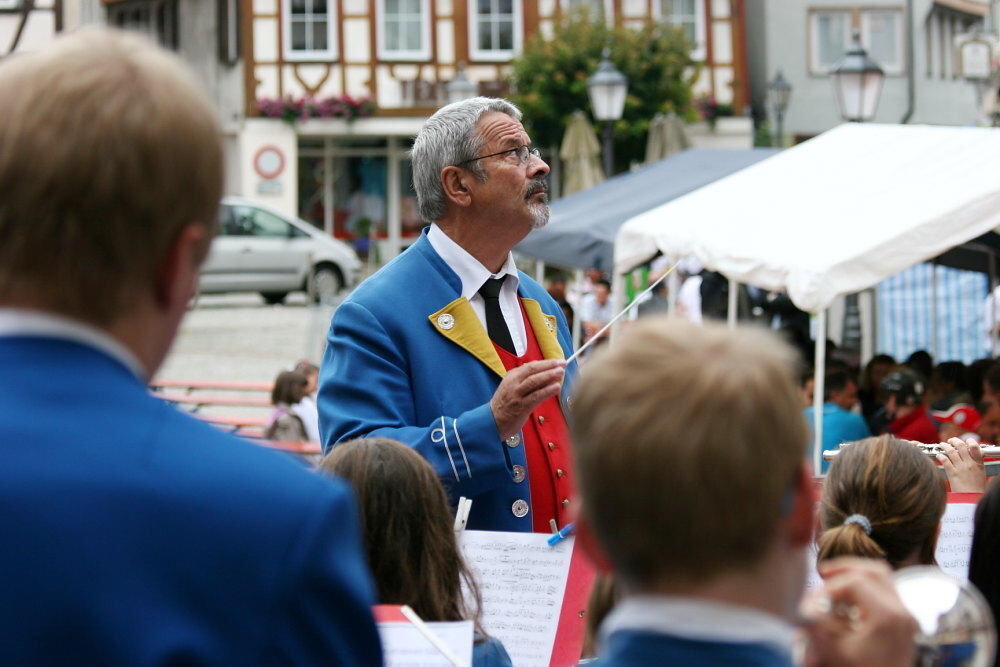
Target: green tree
{"x":549,"y":79}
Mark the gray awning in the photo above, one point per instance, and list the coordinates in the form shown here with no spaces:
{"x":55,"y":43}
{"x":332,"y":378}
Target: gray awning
{"x":581,"y":233}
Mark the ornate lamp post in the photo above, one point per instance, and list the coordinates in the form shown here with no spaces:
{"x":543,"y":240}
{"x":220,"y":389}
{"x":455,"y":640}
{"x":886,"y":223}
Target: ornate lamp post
{"x":857,"y":82}
{"x":460,"y":88}
{"x":607,"y":88}
{"x":780,"y":91}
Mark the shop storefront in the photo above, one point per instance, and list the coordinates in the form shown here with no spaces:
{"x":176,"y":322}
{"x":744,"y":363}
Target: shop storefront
{"x":353,"y":180}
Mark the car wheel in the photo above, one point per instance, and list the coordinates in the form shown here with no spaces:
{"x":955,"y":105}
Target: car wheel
{"x":274,"y":298}
{"x":326,"y":285}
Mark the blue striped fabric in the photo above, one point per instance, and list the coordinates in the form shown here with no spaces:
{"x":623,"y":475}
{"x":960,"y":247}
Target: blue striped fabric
{"x":905,"y":314}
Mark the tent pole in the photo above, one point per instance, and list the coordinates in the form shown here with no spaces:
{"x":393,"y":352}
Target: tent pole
{"x":865,"y":313}
{"x":934,"y":310}
{"x":618,"y":301}
{"x":819,"y":375}
{"x":734,"y":288}
{"x":673,"y":288}
{"x":577,"y":322}
{"x":992,"y":324}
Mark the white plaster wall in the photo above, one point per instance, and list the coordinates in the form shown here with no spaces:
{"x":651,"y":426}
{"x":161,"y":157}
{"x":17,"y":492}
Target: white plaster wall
{"x":390,"y":95}
{"x":722,"y":42}
{"x":634,"y":8}
{"x":291,"y":85}
{"x":357,"y":81}
{"x":546,"y":7}
{"x":445,"y":8}
{"x":357,"y":43}
{"x":265,"y":6}
{"x":332,"y":85}
{"x":265,"y":40}
{"x":720,"y":9}
{"x":267,"y":75}
{"x":445,"y":41}
{"x":354,"y":7}
{"x":702,"y":85}
{"x":724,"y":85}
{"x":260,"y":132}
{"x":312,"y":73}
{"x":407,"y":72}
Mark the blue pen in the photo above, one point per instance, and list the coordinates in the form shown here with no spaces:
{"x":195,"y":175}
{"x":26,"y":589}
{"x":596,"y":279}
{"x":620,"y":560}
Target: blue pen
{"x":566,"y":531}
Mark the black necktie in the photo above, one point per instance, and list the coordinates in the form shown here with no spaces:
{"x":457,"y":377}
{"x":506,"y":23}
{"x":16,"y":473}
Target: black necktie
{"x":496,"y":326}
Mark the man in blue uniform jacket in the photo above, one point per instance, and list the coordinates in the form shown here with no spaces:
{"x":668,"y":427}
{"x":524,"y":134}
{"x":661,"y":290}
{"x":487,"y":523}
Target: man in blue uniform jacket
{"x":696,"y":494}
{"x":414,"y":353}
{"x":133,"y":534}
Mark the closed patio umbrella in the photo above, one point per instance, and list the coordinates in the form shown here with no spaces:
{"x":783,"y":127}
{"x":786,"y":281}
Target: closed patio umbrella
{"x":580,"y":154}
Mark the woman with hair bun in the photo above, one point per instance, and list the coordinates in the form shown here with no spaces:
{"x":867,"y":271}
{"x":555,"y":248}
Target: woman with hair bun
{"x":883,"y":498}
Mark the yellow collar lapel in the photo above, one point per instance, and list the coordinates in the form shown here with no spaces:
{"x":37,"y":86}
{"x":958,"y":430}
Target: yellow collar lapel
{"x":545,"y":327}
{"x":458,"y":323}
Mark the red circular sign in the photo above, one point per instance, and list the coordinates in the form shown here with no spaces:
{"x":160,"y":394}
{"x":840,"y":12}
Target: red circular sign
{"x":269,"y":162}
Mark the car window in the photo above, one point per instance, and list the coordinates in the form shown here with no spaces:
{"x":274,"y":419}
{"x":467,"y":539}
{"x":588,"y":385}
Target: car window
{"x":225,"y":220}
{"x":249,"y":221}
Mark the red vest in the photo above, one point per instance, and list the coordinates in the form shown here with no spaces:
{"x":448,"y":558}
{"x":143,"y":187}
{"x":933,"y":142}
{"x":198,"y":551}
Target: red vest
{"x":546,"y":447}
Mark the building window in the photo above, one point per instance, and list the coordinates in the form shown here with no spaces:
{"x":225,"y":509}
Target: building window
{"x":941,"y":29}
{"x":689,"y":16}
{"x":495,"y":27}
{"x":309,"y":33}
{"x":830,"y":37}
{"x":404,"y":30}
{"x":156,"y":18}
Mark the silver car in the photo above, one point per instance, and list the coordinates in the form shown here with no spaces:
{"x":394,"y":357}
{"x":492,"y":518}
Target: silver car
{"x":261,"y":250}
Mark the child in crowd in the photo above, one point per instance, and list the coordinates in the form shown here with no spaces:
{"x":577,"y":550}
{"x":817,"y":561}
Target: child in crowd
{"x":883,"y":498}
{"x":409,"y":536}
{"x":306,"y":409}
{"x":958,"y":421}
{"x":289,"y":388}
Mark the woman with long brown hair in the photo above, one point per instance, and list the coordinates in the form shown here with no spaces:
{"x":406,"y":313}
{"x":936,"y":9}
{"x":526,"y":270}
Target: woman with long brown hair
{"x":409,"y":537}
{"x":883,"y":498}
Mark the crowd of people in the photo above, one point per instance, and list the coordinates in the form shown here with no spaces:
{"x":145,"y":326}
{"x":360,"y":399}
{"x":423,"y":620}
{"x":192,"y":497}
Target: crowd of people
{"x":138,"y":535}
{"x":914,"y":400}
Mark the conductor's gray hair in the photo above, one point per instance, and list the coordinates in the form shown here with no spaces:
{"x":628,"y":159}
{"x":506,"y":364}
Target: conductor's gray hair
{"x":447,"y":138}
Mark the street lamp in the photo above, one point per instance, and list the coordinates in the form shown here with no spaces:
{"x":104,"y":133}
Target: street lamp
{"x":780,"y":91}
{"x":857,"y":81}
{"x":607,"y":88}
{"x":460,"y":88}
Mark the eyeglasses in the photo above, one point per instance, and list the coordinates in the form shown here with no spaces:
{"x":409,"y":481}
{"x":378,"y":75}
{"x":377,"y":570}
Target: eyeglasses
{"x":524,"y":154}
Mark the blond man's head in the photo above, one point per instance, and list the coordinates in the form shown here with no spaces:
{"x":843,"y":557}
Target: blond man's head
{"x":108,"y":148}
{"x":690,"y":444}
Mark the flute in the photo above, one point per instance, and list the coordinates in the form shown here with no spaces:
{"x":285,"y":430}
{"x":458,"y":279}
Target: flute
{"x":989,"y":451}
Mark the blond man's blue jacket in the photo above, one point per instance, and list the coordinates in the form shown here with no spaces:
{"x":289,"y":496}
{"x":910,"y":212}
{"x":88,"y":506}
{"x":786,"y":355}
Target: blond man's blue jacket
{"x":137,"y":535}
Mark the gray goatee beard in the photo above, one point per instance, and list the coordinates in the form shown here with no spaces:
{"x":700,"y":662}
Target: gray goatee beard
{"x":539,"y":215}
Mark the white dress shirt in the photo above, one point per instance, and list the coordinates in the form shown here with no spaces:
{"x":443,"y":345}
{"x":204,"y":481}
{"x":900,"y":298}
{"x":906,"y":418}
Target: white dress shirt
{"x":473,"y":275}
{"x":36,"y":323}
{"x":699,"y":619}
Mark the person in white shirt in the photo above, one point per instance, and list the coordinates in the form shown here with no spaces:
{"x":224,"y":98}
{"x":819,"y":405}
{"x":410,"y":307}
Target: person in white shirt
{"x":451,"y":350}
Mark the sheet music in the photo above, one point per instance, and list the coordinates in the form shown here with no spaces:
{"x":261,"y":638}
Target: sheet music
{"x":522,"y":580}
{"x":954,"y":544}
{"x":404,"y":646}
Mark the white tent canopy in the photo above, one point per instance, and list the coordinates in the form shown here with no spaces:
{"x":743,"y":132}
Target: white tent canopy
{"x":833,"y":215}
